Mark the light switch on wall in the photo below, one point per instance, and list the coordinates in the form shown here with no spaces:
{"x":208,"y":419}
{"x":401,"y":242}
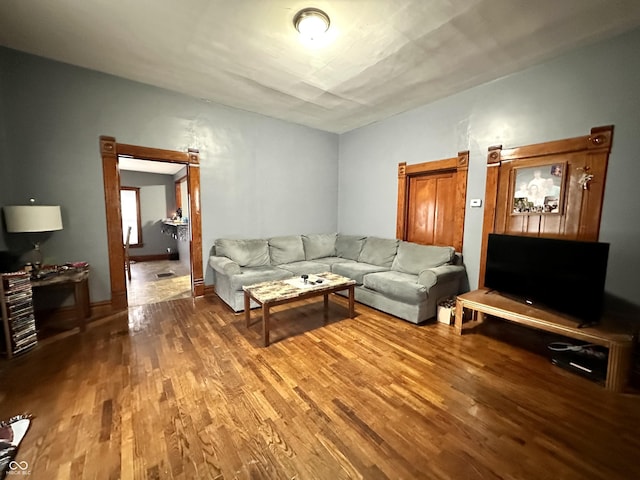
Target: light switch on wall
{"x":476,"y":202}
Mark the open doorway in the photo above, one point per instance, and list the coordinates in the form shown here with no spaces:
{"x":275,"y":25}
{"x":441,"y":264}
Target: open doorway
{"x":155,"y":281}
{"x":113,"y":154}
{"x":157,"y":215}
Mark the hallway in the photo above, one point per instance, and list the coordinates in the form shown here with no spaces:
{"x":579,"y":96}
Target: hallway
{"x":158,"y":281}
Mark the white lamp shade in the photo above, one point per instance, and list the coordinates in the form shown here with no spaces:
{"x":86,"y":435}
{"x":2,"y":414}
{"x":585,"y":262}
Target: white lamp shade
{"x":33,"y":218}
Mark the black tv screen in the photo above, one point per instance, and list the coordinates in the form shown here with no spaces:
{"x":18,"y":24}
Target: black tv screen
{"x":565,"y":275}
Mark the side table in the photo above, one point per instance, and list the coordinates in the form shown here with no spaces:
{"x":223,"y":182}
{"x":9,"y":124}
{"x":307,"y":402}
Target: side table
{"x":79,"y":280}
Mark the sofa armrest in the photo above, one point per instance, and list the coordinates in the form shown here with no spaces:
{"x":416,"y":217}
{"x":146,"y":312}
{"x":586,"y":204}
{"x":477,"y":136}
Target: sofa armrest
{"x":224,"y":265}
{"x":441,"y":274}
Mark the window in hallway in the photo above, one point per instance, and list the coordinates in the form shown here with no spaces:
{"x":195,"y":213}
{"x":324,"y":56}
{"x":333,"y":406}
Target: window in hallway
{"x":130,"y":204}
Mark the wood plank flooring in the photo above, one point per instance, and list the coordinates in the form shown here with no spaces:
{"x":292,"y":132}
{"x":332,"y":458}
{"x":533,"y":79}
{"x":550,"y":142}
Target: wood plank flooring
{"x":146,"y":287}
{"x":183,"y":390}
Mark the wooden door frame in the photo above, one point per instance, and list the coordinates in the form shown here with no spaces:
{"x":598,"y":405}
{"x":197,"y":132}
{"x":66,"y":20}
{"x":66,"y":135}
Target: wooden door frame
{"x":178,"y":190}
{"x":110,"y":150}
{"x":460,"y":165}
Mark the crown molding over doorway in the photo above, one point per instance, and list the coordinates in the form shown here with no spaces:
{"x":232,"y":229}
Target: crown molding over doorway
{"x":110,"y":150}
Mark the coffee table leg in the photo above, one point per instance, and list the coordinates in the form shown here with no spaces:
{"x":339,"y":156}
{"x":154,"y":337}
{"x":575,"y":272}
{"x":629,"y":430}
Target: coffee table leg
{"x":265,"y":323}
{"x":247,"y":309}
{"x":351,"y":299}
{"x":326,"y":308}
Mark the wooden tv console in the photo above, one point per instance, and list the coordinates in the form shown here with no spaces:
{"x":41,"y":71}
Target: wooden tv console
{"x":620,"y":344}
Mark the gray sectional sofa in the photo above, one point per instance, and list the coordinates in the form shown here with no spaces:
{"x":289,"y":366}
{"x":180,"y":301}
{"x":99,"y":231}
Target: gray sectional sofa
{"x":403,"y":279}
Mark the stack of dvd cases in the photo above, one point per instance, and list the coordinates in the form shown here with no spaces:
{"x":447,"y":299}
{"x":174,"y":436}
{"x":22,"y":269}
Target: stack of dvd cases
{"x":19,"y":326}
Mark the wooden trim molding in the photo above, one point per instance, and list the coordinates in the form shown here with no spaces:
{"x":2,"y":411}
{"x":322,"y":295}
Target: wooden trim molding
{"x":111,"y":179}
{"x":460,"y":165}
{"x":110,"y":150}
{"x":178,"y":191}
{"x":195,"y":219}
{"x":599,"y":138}
{"x":401,"y":221}
{"x":148,"y":153}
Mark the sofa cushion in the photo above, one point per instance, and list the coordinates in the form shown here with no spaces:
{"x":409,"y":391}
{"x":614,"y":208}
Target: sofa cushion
{"x":328,"y":261}
{"x":246,"y":253}
{"x":349,"y":246}
{"x":356,"y":270}
{"x":379,"y":251}
{"x":397,"y":286}
{"x":305,"y":267}
{"x":413,"y":258}
{"x":286,"y":249}
{"x":319,"y":245}
{"x":253,"y":275}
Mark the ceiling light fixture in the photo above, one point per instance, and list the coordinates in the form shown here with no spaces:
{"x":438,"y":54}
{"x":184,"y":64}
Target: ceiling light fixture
{"x":312,"y":23}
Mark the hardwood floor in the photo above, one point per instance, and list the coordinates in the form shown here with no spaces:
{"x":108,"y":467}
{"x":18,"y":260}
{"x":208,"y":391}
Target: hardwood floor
{"x":184,"y":390}
{"x":146,"y":287}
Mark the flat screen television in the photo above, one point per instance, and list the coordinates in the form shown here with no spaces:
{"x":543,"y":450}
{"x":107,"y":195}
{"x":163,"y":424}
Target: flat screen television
{"x":564,"y":275}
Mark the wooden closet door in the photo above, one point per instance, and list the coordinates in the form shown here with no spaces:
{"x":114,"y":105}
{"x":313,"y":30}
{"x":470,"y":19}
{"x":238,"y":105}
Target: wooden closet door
{"x":431,"y":201}
{"x":430,"y":210}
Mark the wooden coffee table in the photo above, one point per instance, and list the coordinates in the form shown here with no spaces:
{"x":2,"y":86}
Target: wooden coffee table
{"x":270,"y":294}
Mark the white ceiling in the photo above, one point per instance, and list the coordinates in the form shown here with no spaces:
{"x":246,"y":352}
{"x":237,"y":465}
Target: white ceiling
{"x":149,"y":166}
{"x":380,"y":58}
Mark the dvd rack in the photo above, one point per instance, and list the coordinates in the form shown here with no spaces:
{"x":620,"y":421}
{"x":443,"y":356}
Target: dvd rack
{"x":19,"y":326}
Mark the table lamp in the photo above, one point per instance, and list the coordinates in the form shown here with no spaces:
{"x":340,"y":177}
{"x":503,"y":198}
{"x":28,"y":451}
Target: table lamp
{"x":33,"y":219}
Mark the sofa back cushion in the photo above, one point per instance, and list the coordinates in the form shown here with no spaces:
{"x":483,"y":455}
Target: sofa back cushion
{"x":379,"y":251}
{"x":319,"y":245}
{"x":246,"y":253}
{"x":286,"y":249}
{"x":349,"y":246}
{"x":414,"y":258}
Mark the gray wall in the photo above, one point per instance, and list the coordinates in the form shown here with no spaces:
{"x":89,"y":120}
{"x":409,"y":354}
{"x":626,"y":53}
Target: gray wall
{"x":259,"y":176}
{"x":157,"y":202}
{"x":263,"y":177}
{"x":594,"y":86}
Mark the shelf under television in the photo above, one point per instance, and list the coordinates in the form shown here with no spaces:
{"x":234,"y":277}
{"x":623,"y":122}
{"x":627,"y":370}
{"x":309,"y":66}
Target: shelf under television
{"x":606,"y":333}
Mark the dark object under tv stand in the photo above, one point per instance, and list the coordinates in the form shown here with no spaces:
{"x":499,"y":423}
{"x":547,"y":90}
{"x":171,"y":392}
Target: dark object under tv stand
{"x":619,"y":343}
{"x":587,"y":324}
